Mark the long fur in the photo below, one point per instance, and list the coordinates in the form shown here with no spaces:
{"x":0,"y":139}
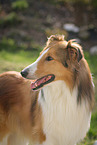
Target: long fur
{"x":57,"y":114}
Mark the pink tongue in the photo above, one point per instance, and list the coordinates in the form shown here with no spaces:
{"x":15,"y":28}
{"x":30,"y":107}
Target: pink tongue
{"x":39,"y":82}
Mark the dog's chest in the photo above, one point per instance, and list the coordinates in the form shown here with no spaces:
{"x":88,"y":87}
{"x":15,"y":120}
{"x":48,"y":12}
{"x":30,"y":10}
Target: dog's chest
{"x":65,"y":122}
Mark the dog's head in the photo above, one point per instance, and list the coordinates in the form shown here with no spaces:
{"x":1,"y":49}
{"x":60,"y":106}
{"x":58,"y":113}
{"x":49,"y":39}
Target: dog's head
{"x":59,"y":60}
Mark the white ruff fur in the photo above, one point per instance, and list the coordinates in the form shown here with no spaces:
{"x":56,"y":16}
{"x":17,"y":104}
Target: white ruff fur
{"x":65,"y":121}
{"x":4,"y":141}
{"x":13,"y":139}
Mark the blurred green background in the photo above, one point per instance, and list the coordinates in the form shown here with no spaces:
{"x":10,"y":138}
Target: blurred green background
{"x":25,"y":26}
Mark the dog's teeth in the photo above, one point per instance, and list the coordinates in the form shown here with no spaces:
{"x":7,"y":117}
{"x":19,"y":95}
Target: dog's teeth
{"x":36,"y":85}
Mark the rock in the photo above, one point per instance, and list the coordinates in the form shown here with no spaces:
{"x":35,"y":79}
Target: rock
{"x":84,"y":28}
{"x":84,"y":35}
{"x":71,"y":27}
{"x":93,"y":50}
{"x":95,"y":143}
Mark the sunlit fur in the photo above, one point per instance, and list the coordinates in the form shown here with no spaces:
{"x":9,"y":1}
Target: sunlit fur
{"x":20,"y":112}
{"x":57,"y":114}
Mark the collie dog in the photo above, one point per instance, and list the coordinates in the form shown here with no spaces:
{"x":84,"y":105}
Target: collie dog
{"x":53,"y":105}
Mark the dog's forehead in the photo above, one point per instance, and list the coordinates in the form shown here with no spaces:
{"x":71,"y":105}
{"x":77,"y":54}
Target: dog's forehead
{"x":59,"y":46}
{"x":57,"y":51}
{"x":55,"y":48}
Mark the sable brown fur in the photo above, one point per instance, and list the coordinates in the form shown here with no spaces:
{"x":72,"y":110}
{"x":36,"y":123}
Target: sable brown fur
{"x":70,"y":54}
{"x":19,"y":110}
{"x":85,"y":85}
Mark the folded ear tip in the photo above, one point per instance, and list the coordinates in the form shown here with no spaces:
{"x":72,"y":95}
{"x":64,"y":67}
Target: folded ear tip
{"x":69,"y":44}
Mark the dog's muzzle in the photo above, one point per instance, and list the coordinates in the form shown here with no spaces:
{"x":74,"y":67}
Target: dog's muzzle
{"x":24,"y":73}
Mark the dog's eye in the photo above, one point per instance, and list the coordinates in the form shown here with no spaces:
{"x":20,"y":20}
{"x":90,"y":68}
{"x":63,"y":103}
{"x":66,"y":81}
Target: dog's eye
{"x":49,"y":58}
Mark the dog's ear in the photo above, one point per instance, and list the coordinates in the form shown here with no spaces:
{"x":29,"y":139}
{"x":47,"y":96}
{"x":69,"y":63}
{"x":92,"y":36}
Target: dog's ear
{"x":74,"y":55}
{"x":74,"y":52}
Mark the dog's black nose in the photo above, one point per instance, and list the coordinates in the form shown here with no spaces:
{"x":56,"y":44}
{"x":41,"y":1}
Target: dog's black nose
{"x":24,"y":73}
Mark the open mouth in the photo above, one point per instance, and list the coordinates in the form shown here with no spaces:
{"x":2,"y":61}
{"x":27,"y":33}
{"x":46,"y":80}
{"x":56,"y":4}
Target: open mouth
{"x":37,"y":84}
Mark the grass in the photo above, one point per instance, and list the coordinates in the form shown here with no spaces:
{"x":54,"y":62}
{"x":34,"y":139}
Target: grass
{"x":17,"y":60}
{"x":92,"y":61}
{"x":10,"y":61}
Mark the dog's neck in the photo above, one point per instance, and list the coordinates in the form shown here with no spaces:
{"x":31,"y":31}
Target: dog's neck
{"x":59,"y":106}
{"x":57,"y":91}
